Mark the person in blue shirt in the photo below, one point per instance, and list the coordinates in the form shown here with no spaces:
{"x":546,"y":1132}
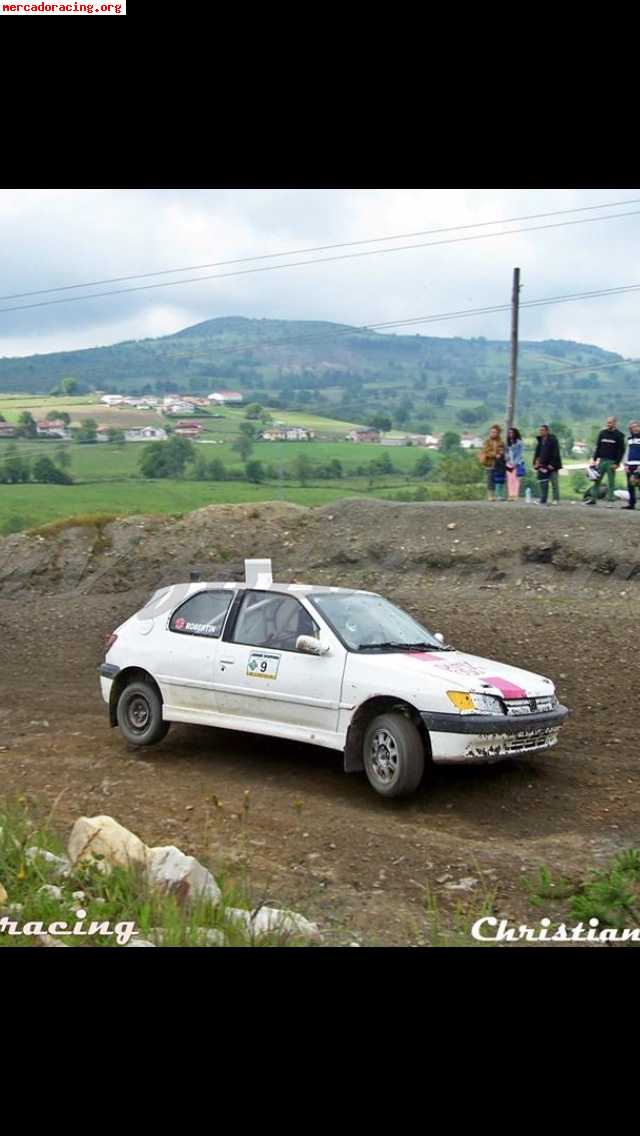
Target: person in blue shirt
{"x":631,"y":463}
{"x":515,"y":462}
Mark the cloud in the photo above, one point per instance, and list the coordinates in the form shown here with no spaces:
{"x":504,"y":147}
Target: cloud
{"x":52,"y":238}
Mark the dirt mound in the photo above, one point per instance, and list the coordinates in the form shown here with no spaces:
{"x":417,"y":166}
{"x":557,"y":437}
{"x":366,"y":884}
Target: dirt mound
{"x":351,"y":537}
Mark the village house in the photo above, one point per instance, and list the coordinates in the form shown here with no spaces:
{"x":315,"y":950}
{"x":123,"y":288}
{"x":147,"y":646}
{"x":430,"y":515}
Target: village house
{"x":52,"y":428}
{"x":579,"y":448}
{"x":287,"y":434}
{"x":188,"y":429}
{"x":221,"y":397}
{"x":146,"y":434}
{"x":470,"y":442}
{"x":112,"y":399}
{"x":368,"y":434}
{"x":7,"y":430}
{"x":406,"y":441}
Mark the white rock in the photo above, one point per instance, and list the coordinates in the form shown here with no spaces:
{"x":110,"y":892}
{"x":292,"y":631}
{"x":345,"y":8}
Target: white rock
{"x":271,"y":919}
{"x":465,"y":884}
{"x":59,"y":865}
{"x":51,"y":890}
{"x":211,"y":936}
{"x":103,"y":836}
{"x":77,"y":895}
{"x":3,"y":895}
{"x":139,"y":943}
{"x":168,"y":867}
{"x":49,"y":941}
{"x":16,"y":908}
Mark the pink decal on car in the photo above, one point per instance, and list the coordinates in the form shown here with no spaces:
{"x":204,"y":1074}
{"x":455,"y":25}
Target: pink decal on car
{"x":506,"y":688}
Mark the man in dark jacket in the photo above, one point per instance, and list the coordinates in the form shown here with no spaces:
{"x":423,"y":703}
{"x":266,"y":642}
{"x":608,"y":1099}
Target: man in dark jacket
{"x":607,"y":456}
{"x":547,"y":462}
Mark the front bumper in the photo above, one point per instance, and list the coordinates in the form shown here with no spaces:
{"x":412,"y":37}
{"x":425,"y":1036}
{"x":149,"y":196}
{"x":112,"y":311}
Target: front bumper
{"x":479,"y":738}
{"x":107,"y":672}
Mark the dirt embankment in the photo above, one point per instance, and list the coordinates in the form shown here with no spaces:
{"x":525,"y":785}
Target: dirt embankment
{"x":554,"y":590}
{"x":336,"y":543}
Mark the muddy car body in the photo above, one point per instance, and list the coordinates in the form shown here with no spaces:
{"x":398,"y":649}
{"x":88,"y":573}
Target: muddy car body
{"x":334,"y":667}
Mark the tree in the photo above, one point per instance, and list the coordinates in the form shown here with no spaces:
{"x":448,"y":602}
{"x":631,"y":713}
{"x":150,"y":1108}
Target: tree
{"x":63,"y":457}
{"x":254,"y":410}
{"x":87,"y":433}
{"x":44,"y":470}
{"x":565,"y":437}
{"x":423,"y":466}
{"x":254,"y":472}
{"x":68,"y":386}
{"x":243,"y":446}
{"x":381,"y":422}
{"x":460,"y":469}
{"x":302,"y":468}
{"x":2,"y":418}
{"x":27,"y":425}
{"x":116,"y":436}
{"x":248,"y":429}
{"x":14,"y":469}
{"x":449,"y":441}
{"x":166,"y":459}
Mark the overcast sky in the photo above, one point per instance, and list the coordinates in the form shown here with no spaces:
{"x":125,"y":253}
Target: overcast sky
{"x":53,"y":238}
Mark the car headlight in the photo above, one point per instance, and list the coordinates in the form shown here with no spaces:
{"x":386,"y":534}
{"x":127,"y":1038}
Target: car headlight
{"x":483,"y":703}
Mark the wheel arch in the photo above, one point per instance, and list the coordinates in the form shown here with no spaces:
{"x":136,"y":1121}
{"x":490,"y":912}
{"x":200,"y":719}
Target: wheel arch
{"x":371,"y":708}
{"x":122,"y":679}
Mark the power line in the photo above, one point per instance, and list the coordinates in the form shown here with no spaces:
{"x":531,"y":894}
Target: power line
{"x":320,"y":248}
{"x":435,"y":318}
{"x":319,"y":260}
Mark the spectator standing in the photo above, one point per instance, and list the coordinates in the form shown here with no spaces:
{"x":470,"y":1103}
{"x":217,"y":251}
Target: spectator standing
{"x":547,"y":462}
{"x":631,"y":462}
{"x":515,"y":462}
{"x":487,"y":458}
{"x":500,"y":472}
{"x":607,"y":456}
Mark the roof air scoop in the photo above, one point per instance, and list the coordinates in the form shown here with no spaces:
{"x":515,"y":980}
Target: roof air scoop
{"x":257,"y":573}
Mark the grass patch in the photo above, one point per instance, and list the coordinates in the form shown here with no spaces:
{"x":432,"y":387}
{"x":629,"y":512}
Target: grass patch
{"x":610,"y":895}
{"x":79,"y":520}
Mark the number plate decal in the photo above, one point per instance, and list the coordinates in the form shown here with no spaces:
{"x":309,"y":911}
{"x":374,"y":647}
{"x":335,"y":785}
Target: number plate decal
{"x":262,"y":664}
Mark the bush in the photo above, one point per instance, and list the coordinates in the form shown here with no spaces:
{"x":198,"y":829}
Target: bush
{"x":45,"y":471}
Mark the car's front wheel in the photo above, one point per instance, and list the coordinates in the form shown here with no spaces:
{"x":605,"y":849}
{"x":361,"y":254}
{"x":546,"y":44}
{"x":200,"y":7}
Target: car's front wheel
{"x":139,"y":714}
{"x":393,"y":755}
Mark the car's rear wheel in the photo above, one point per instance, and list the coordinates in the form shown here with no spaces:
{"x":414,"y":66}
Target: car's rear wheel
{"x":139,"y":714}
{"x":393,"y":755}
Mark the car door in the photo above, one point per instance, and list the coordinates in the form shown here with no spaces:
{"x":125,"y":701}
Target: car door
{"x":190,"y":644}
{"x":263,"y":679}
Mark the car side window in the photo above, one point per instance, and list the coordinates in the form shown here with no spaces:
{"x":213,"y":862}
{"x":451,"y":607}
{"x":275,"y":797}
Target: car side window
{"x":202,"y":614}
{"x":270,"y":619}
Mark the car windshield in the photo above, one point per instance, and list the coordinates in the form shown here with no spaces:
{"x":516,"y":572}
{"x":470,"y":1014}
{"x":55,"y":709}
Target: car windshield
{"x":368,"y":622}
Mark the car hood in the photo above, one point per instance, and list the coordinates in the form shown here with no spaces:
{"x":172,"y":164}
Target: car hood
{"x":458,"y":671}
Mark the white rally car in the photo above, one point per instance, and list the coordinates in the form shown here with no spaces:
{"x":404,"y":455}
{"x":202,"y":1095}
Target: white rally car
{"x":334,"y":667}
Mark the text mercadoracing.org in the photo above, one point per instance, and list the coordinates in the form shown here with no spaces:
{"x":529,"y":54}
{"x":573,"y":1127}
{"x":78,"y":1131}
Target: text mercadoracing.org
{"x":76,"y":8}
{"x":122,"y":931}
{"x":489,"y":929}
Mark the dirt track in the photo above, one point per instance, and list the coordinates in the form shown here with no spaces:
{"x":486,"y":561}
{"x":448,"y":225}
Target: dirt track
{"x":552,"y":590}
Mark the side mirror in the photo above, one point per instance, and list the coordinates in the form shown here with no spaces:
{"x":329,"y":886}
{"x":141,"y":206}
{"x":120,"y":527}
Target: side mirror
{"x":309,"y":645}
{"x":439,"y":636}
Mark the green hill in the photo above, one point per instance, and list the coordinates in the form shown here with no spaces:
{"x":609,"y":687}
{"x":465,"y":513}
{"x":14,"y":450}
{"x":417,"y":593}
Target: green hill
{"x":421,"y":382}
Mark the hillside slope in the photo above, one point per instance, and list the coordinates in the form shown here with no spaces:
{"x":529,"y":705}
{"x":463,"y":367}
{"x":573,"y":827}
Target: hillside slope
{"x":344,"y":371}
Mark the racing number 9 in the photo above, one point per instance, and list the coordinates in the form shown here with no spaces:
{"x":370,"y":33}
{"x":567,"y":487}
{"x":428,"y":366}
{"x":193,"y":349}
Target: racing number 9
{"x":263,"y":665}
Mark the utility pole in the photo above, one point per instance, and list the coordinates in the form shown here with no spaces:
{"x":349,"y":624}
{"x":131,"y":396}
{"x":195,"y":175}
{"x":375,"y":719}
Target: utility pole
{"x":513,"y":367}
